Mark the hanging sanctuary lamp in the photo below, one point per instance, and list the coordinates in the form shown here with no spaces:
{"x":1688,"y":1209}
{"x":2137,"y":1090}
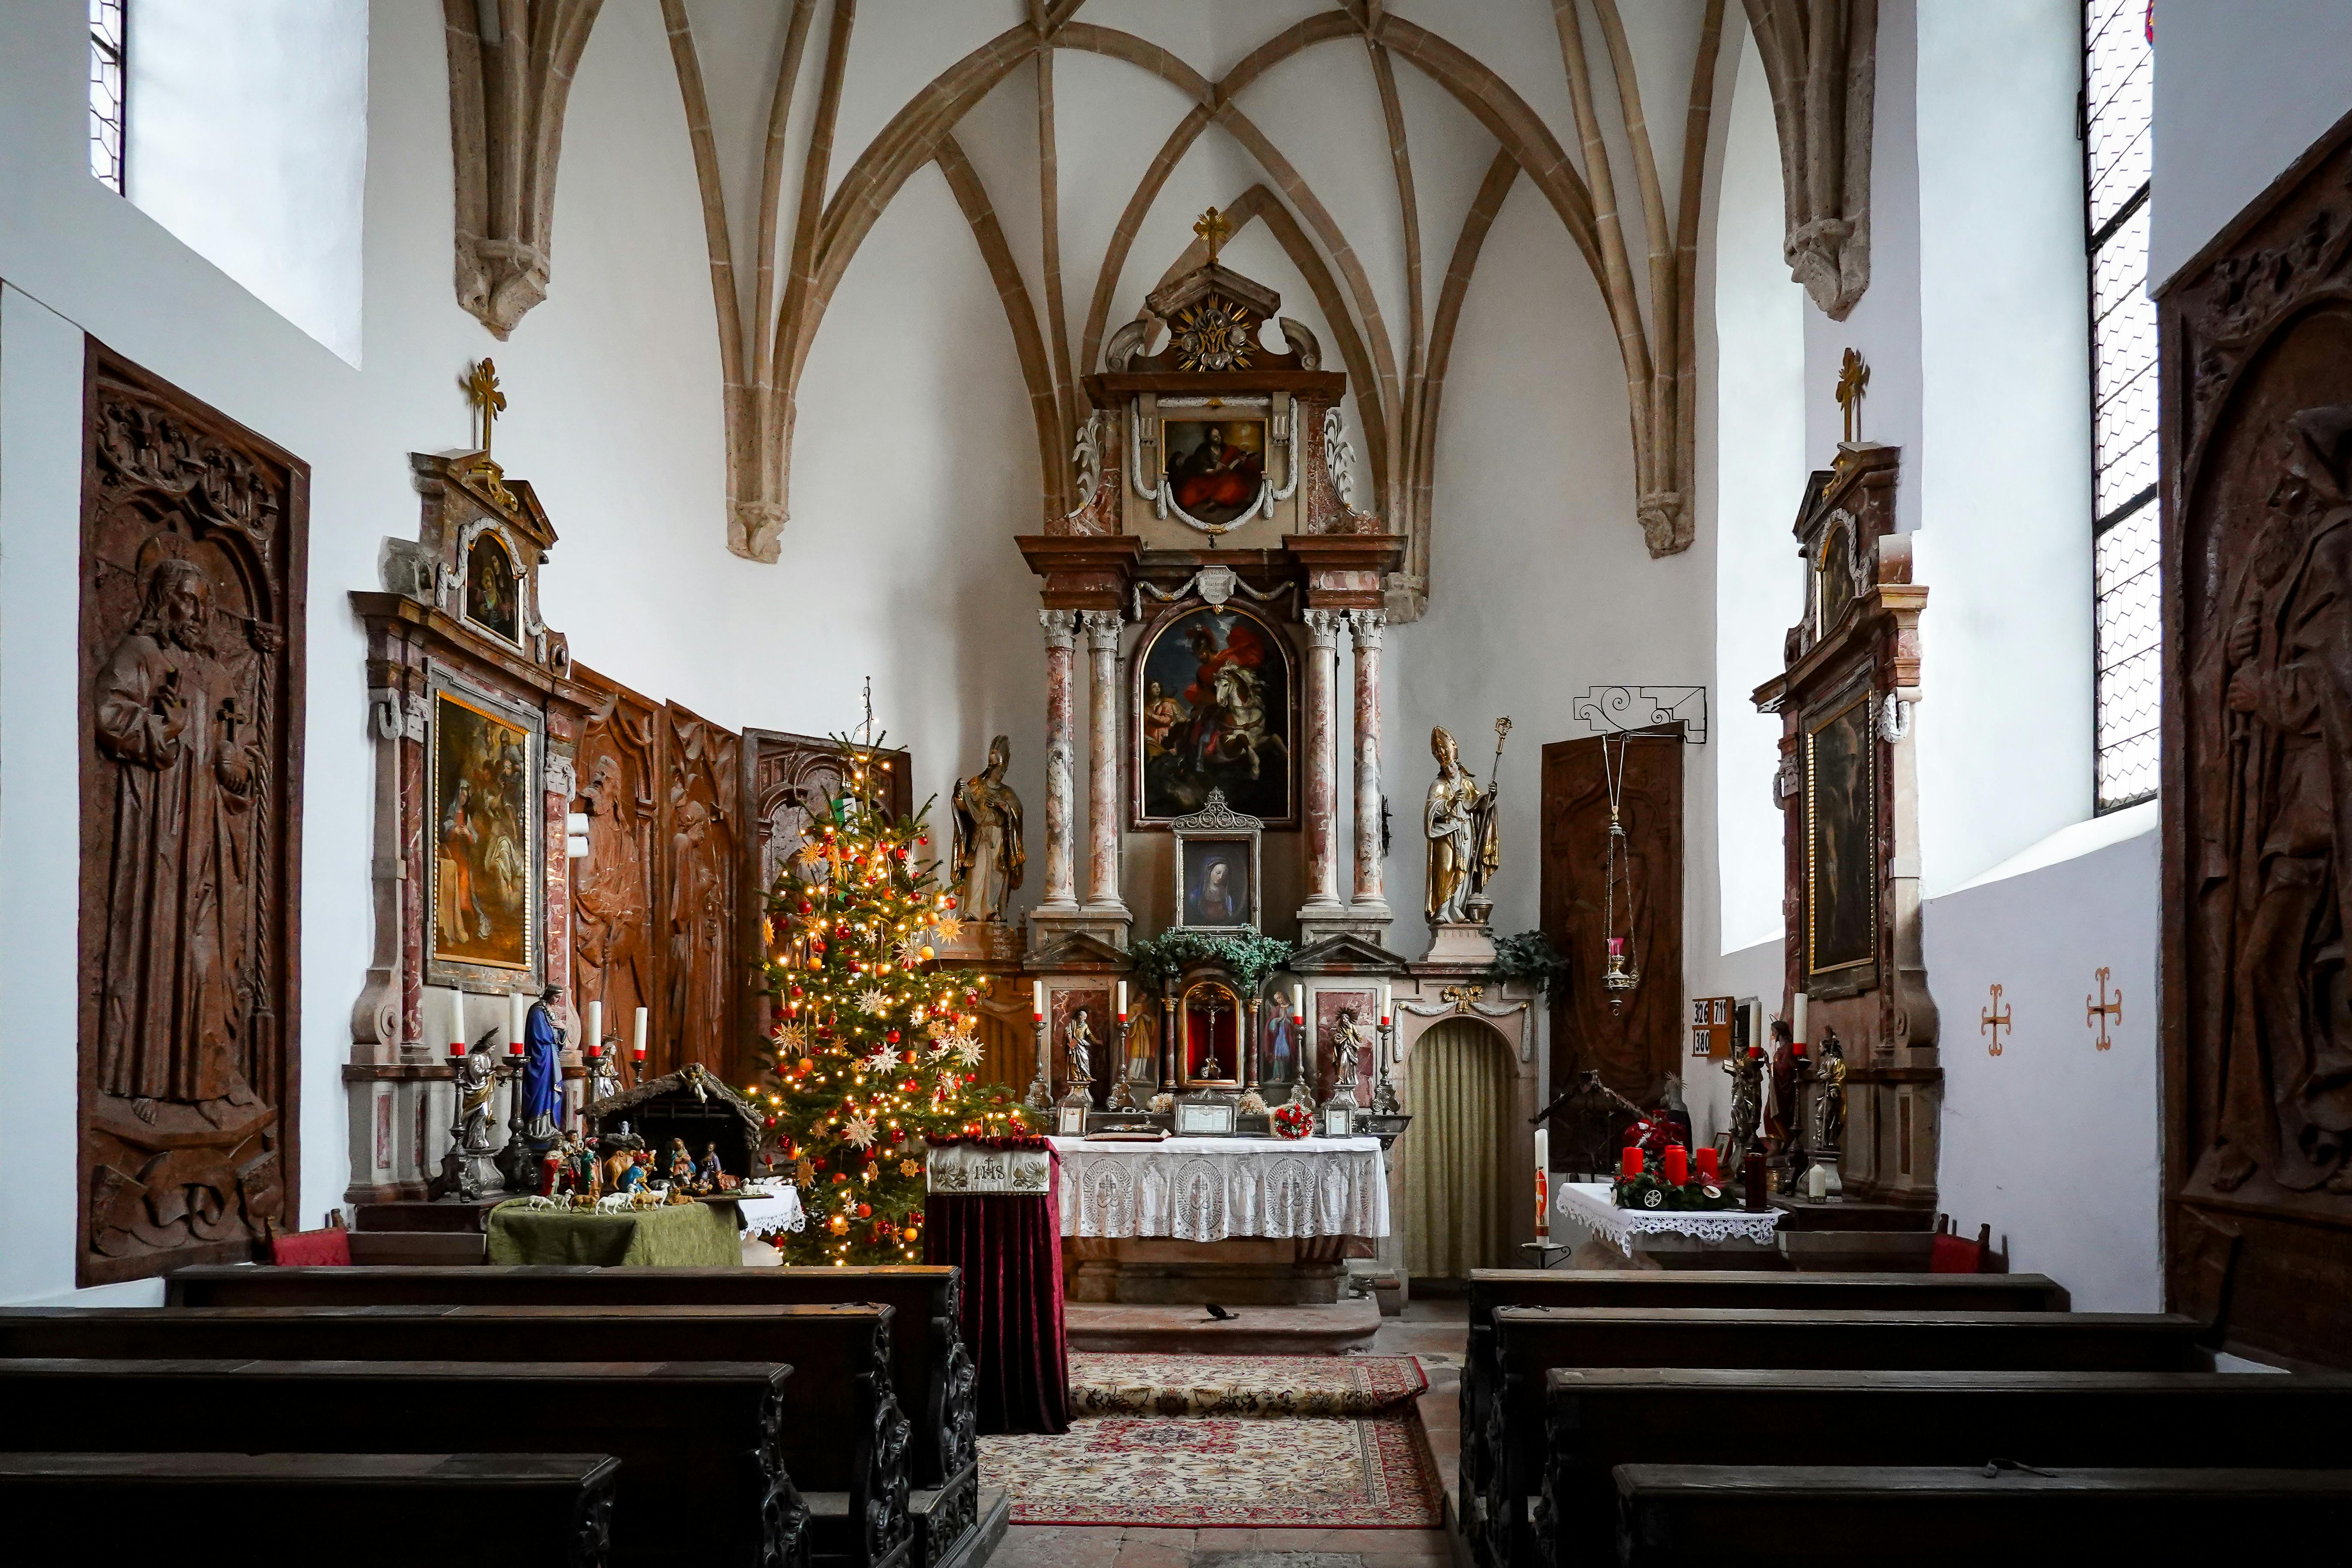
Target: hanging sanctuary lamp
{"x":1622,"y":972}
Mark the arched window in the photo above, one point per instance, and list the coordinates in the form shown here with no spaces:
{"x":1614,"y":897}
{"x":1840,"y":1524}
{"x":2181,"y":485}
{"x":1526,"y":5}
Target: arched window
{"x":2118,"y":70}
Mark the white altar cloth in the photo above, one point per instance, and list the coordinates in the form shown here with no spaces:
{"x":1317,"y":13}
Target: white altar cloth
{"x":1586,"y":1204}
{"x":1212,"y":1189}
{"x":766,"y":1214}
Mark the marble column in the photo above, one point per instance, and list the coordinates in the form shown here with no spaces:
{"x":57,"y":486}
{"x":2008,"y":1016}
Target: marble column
{"x":1102,"y":627}
{"x":1370,"y":899}
{"x":1061,"y":882}
{"x":1322,"y":804}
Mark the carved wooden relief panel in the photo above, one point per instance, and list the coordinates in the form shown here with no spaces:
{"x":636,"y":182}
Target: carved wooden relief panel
{"x":614,"y":958}
{"x":700,"y":840}
{"x":194,"y":536}
{"x":2256,"y":359}
{"x":1634,"y":1048}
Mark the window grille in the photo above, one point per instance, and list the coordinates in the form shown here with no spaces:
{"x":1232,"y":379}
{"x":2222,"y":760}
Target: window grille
{"x":106,"y":91}
{"x":2118,"y":77}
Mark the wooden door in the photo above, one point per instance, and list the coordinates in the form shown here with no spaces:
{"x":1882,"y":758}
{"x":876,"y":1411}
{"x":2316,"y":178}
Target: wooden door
{"x":1637,"y":1047}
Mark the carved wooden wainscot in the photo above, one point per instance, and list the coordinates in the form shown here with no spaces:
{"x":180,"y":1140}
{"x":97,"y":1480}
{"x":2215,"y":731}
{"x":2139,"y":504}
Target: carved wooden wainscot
{"x":1846,"y":785}
{"x":194,"y":540}
{"x":476,"y":719}
{"x":2256,"y":346}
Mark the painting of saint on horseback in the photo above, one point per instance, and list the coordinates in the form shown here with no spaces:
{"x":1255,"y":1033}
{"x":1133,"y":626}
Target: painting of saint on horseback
{"x":1214,"y":709}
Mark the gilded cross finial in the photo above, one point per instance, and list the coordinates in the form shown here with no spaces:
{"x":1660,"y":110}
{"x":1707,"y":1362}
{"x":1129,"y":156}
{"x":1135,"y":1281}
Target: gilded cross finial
{"x":1853,"y":377}
{"x":1212,"y":229}
{"x":482,"y":391}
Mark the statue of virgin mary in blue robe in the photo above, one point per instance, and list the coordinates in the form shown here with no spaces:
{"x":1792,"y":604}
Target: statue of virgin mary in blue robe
{"x":540,"y":1091}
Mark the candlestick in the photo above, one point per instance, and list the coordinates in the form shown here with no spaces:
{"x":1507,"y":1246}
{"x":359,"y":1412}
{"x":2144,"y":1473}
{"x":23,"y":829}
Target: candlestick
{"x":637,"y":1048}
{"x":457,"y":1023}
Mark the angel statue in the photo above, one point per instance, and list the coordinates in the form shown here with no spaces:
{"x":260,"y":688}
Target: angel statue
{"x":989,"y":860}
{"x":1459,"y":824}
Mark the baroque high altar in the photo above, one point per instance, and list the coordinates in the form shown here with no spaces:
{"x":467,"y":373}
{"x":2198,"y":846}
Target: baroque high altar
{"x":1216,"y":533}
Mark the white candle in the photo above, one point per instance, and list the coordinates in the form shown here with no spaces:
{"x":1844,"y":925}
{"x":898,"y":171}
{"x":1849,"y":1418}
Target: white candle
{"x":596,"y":1026}
{"x":1122,"y":1001}
{"x":456,"y":1022}
{"x":516,"y":1009}
{"x":1797,"y":1018}
{"x":1037,"y":1001}
{"x":1543,"y":1148}
{"x":638,"y":1049}
{"x":1543,"y":1184}
{"x":1386,"y":1014}
{"x":1298,"y":1003}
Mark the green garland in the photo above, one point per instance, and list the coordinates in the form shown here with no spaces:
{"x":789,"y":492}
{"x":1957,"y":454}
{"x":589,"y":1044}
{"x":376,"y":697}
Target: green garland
{"x":1531,"y":956}
{"x":1249,"y":953}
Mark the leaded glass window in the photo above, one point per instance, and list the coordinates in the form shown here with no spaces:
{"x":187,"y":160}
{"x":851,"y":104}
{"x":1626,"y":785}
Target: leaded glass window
{"x":106,"y":91}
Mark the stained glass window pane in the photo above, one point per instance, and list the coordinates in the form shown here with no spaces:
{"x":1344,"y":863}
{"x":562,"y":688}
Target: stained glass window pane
{"x":2117,"y":73}
{"x":106,"y":91}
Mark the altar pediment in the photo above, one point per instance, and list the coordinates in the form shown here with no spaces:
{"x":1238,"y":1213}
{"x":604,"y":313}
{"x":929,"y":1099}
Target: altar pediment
{"x":1077,"y":952}
{"x":1345,"y":953}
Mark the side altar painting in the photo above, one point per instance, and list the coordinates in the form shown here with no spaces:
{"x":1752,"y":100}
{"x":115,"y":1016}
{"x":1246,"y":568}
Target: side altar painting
{"x":193,"y":539}
{"x":486,"y":831}
{"x":1215,"y":710}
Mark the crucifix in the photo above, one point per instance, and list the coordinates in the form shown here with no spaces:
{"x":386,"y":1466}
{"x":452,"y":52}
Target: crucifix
{"x":482,"y":391}
{"x":1853,"y":378}
{"x":1995,"y":1018}
{"x":1212,"y":229}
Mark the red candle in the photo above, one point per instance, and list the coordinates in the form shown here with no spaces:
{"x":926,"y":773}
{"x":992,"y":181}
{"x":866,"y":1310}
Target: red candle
{"x":1706,"y":1166}
{"x":1632,"y":1166}
{"x":1677,"y":1165}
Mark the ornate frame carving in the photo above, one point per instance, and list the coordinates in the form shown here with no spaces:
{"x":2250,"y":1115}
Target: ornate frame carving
{"x":1215,"y":822}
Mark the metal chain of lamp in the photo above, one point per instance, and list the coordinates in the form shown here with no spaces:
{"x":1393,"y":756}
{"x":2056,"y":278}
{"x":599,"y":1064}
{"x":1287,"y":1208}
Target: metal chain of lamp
{"x":1623,"y":970}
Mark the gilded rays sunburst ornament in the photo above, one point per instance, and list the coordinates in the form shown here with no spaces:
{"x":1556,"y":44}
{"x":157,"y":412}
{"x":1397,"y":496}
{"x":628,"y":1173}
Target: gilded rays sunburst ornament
{"x":1215,"y":334}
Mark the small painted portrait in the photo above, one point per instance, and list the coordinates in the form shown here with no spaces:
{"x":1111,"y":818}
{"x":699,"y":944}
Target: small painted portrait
{"x":1216,"y":884}
{"x":1213,"y":699}
{"x":1214,"y":468}
{"x":493,"y":598}
{"x":482,"y":845}
{"x":1840,"y":840}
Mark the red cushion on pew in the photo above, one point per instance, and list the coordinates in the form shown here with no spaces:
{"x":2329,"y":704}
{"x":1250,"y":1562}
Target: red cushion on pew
{"x":312,"y":1248}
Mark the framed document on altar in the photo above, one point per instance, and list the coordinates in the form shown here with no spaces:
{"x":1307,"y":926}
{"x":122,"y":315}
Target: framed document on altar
{"x":1337,"y":1121}
{"x":1073,"y":1122}
{"x":1205,"y":1118}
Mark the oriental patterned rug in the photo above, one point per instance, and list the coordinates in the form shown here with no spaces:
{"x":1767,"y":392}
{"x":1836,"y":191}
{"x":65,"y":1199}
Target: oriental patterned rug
{"x":1186,"y":1471}
{"x":1264,"y":1386}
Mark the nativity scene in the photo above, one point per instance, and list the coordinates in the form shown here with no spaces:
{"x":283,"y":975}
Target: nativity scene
{"x":1439,"y":744}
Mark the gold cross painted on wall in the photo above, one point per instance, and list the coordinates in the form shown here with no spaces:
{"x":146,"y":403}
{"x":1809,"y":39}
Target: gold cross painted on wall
{"x":2103,"y":1011}
{"x":1995,"y":1019}
{"x":1212,"y":229}
{"x":1853,"y":379}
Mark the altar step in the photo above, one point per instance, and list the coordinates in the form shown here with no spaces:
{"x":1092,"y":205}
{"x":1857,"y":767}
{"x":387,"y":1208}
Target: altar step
{"x":1333,"y":1330}
{"x":418,"y":1233}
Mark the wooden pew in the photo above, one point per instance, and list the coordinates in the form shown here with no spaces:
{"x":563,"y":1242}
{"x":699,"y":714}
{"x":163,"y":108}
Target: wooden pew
{"x":936,"y":1387}
{"x":293,"y":1510}
{"x":1686,"y":1516}
{"x":1491,"y":1288}
{"x":844,"y":1442}
{"x":702,"y":1477}
{"x":1529,"y":1341}
{"x":1600,"y":1418}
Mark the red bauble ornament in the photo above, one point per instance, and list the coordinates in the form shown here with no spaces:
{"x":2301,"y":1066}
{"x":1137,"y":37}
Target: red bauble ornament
{"x":864,"y":1210}
{"x":892,"y":1036}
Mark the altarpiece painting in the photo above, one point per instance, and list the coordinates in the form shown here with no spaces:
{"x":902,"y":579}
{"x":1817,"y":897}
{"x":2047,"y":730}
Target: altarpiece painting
{"x":1840,"y":838}
{"x":1214,"y":709}
{"x":193,"y":533}
{"x":486,"y":831}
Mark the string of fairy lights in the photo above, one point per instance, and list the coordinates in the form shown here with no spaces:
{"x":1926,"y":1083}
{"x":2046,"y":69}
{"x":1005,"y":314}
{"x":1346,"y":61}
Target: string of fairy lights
{"x":874,"y":1046}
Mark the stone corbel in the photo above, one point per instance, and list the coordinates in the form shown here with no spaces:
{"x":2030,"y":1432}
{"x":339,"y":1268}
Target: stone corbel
{"x":1821,"y":59}
{"x":510,"y":69}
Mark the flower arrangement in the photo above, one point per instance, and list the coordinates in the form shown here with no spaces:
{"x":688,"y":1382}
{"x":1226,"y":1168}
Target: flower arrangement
{"x":1292,"y":1119}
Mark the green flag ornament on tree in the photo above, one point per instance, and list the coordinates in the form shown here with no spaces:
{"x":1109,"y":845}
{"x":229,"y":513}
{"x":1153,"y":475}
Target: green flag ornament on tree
{"x":874,"y":1048}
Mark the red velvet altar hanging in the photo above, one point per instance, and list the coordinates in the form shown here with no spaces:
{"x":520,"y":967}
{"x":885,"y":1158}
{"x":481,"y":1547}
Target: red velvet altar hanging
{"x":1009,"y":1246}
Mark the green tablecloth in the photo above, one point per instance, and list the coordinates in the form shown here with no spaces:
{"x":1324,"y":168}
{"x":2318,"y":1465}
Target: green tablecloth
{"x":689,"y":1234}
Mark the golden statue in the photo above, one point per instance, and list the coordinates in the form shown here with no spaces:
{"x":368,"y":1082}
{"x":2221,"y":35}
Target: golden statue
{"x":1459,"y":822}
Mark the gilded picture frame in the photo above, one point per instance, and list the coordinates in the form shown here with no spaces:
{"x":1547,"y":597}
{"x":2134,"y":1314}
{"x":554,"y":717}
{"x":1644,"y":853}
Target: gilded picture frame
{"x":1214,"y":708}
{"x":1841,"y":842}
{"x":486,"y":856}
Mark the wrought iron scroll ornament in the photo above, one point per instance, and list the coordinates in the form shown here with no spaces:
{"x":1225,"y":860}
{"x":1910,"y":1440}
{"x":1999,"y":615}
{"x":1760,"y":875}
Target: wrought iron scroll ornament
{"x":1620,"y":710}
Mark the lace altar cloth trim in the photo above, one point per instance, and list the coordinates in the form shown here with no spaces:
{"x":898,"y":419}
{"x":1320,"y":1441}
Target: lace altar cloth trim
{"x":1212,"y":1189}
{"x":973,"y":1168}
{"x":1586,"y":1204}
{"x":766,"y":1214}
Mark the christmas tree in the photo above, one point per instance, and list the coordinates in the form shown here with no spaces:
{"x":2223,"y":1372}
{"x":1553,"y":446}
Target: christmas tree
{"x":872,"y":1048}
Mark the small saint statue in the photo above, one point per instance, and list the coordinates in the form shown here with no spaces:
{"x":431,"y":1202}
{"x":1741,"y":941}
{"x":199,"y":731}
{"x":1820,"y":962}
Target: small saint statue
{"x":989,"y":860}
{"x":1347,"y":1049}
{"x":1077,"y":1051}
{"x":1746,"y":1071}
{"x":1458,"y":822}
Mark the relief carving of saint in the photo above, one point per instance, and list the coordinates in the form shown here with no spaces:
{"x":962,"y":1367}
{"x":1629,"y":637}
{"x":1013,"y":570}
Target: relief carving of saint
{"x":2273,"y":872}
{"x":179,"y":727}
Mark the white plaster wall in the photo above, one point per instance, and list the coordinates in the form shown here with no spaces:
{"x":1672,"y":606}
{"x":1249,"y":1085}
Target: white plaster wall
{"x":2240,"y":90}
{"x":2055,"y":1142}
{"x":249,"y":142}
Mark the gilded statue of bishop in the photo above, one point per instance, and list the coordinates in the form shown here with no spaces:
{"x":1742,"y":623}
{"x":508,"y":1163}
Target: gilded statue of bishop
{"x":1459,"y":823}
